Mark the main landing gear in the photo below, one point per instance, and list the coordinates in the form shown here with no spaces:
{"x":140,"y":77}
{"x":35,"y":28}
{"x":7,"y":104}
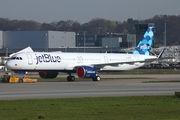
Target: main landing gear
{"x":72,"y":78}
{"x":97,"y":78}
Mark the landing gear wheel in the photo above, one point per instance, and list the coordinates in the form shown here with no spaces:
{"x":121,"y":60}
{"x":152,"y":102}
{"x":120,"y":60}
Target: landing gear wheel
{"x":97,"y":78}
{"x":70,"y":78}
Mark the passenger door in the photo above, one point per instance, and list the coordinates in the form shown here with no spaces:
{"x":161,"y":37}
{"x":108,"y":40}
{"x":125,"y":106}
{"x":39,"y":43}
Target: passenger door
{"x":30,"y":60}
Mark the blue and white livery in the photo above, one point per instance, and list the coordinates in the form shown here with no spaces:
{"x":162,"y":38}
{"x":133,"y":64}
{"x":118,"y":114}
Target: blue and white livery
{"x":144,"y":46}
{"x":85,"y":65}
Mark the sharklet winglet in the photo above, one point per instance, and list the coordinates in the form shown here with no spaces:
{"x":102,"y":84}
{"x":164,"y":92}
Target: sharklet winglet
{"x":161,"y":53}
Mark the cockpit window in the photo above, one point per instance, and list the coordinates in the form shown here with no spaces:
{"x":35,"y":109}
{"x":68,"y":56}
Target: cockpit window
{"x":16,"y":58}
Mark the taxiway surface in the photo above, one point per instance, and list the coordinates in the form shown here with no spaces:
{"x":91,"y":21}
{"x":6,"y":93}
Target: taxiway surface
{"x":126,"y":86}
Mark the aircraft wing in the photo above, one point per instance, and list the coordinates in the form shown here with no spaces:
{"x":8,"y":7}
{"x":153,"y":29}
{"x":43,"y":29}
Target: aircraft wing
{"x":99,"y":65}
{"x":127,"y":62}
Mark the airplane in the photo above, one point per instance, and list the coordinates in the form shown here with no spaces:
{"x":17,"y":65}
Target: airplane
{"x":85,"y":65}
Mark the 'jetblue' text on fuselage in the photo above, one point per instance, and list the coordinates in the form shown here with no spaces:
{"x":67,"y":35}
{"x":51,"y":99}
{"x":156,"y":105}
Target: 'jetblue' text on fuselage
{"x":46,"y":58}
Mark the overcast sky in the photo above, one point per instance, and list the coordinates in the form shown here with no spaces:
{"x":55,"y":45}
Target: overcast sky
{"x":85,"y":10}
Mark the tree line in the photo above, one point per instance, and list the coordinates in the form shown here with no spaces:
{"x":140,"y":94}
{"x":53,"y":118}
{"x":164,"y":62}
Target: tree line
{"x":103,"y":26}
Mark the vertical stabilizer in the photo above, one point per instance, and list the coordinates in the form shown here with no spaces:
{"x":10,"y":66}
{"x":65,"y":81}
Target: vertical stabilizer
{"x":145,"y":44}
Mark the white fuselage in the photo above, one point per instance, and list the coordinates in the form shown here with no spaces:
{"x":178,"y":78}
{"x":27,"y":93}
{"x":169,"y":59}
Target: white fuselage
{"x":36,"y":61}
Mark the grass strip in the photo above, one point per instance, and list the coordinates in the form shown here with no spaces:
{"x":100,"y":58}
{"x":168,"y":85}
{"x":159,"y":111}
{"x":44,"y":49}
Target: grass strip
{"x":102,"y":108}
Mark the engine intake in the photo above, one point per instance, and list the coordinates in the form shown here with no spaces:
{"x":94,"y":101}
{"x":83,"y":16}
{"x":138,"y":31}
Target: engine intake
{"x":48,"y":74}
{"x":86,"y":72}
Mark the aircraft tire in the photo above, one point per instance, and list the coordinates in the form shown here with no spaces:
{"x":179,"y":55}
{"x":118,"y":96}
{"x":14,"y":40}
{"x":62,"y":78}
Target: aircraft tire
{"x":70,"y":78}
{"x":97,"y":78}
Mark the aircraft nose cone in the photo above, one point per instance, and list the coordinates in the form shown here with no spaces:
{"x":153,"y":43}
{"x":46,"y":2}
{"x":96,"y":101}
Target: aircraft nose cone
{"x":8,"y":64}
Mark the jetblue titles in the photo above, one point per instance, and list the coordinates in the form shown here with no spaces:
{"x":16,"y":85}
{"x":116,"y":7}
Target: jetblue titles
{"x":46,"y":58}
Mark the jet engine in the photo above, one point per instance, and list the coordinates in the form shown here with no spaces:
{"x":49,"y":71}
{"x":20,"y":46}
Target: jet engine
{"x":86,"y":72}
{"x":48,"y":74}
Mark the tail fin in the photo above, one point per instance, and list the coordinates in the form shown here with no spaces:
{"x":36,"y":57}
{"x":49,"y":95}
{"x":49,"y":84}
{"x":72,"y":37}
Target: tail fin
{"x":145,"y":44}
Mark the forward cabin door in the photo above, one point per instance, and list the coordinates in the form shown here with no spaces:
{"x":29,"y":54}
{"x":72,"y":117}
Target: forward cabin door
{"x":30,"y":60}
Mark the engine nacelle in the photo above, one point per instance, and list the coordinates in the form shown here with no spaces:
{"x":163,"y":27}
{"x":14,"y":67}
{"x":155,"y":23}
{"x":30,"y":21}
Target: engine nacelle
{"x":86,"y":72}
{"x":48,"y":74}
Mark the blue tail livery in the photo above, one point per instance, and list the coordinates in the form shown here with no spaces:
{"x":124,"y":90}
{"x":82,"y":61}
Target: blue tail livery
{"x":145,"y":44}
